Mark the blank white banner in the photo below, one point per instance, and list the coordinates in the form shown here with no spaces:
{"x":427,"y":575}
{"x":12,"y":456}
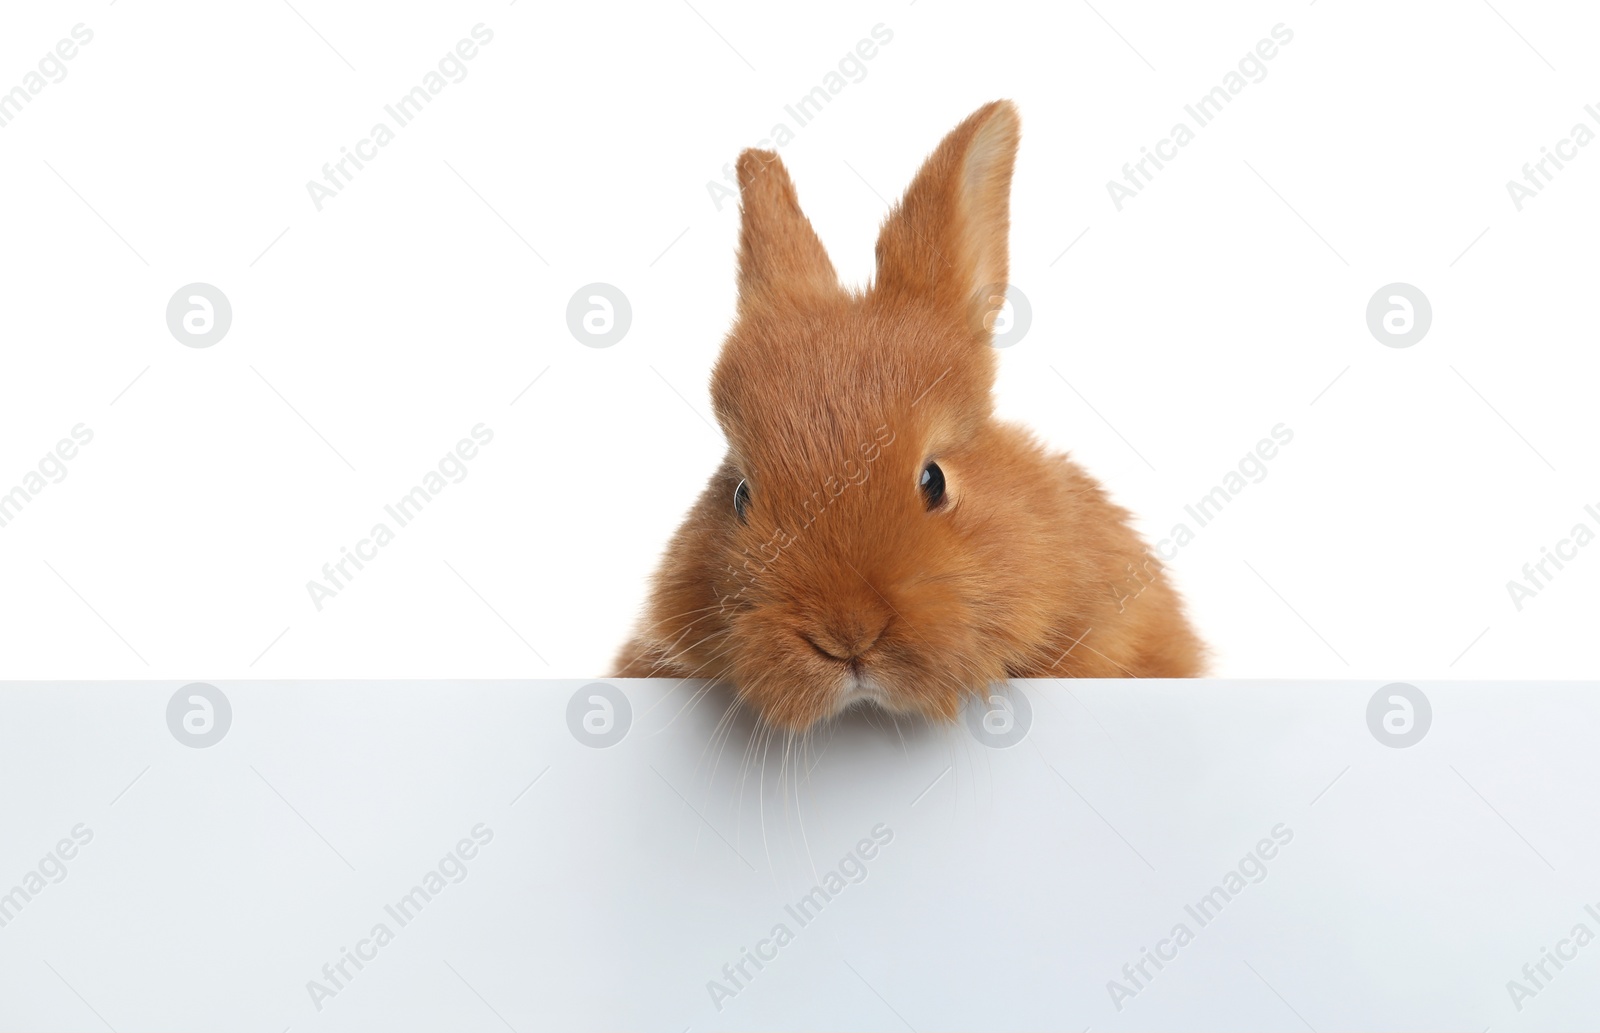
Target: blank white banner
{"x":607,"y":855}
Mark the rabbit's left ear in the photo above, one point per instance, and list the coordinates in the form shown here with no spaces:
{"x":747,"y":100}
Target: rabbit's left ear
{"x":946,"y":243}
{"x":780,"y":258}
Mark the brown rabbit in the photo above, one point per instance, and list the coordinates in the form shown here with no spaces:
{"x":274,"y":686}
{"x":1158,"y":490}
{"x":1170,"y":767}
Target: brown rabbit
{"x":874,"y":531}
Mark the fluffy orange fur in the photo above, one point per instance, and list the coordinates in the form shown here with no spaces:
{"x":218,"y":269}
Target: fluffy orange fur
{"x":839,"y":582}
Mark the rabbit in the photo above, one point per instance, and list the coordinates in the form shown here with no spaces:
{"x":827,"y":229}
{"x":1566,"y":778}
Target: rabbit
{"x":874,"y":532}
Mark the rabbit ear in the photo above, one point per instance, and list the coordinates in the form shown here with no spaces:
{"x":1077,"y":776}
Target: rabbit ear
{"x":946,"y":242}
{"x":780,"y":257}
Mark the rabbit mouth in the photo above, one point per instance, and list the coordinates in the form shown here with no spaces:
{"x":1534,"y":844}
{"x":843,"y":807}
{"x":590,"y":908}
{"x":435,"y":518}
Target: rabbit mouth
{"x":859,"y":686}
{"x":856,"y":683}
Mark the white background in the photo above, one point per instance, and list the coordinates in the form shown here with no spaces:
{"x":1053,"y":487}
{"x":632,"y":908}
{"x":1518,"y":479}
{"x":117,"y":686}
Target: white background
{"x":424,"y":299}
{"x":431,"y":295}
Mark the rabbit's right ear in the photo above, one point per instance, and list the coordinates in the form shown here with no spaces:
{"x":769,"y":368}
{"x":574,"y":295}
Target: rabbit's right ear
{"x":780,"y":258}
{"x":946,"y":243}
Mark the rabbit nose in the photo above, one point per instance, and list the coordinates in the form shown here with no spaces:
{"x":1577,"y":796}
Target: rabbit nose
{"x":845,"y":641}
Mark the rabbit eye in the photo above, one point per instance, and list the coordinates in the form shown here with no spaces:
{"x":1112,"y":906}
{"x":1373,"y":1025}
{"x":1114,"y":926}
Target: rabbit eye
{"x":741,"y":501}
{"x":932,"y":485}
